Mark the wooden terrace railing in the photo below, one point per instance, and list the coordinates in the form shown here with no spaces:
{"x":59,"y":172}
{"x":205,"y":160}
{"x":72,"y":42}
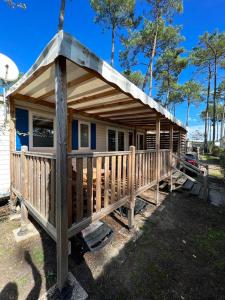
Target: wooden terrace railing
{"x":98,"y":182}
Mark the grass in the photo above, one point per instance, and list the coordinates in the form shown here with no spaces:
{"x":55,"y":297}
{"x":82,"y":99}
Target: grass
{"x":214,"y":165}
{"x":22,"y":281}
{"x":38,"y":256}
{"x":211,"y":245}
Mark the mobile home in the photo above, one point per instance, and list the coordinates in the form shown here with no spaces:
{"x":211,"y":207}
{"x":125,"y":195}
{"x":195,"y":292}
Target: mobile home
{"x":79,"y":141}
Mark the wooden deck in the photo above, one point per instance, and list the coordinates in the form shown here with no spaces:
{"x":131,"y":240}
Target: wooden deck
{"x":98,"y":183}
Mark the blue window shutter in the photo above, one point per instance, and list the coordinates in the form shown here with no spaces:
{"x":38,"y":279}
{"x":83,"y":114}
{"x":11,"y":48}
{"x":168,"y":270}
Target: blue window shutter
{"x":93,"y":136}
{"x":22,"y":128}
{"x":75,"y":135}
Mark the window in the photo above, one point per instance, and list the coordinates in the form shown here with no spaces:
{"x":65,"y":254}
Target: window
{"x":43,"y":132}
{"x":120,"y":141}
{"x":140,"y":141}
{"x":116,"y":140}
{"x":131,"y":139}
{"x":84,"y":135}
{"x":111,"y":140}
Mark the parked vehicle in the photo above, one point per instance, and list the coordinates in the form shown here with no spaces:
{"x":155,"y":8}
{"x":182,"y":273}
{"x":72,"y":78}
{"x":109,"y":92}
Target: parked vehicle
{"x":192,"y":159}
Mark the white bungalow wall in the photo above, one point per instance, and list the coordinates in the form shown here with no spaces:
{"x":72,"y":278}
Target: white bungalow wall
{"x":101,"y":127}
{"x":4,"y":155}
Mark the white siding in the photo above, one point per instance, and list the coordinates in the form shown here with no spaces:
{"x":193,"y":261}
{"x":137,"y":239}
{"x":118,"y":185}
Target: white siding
{"x":4,"y":156}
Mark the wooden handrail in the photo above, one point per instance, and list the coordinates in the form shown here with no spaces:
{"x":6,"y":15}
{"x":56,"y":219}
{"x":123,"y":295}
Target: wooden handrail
{"x":188,"y":165}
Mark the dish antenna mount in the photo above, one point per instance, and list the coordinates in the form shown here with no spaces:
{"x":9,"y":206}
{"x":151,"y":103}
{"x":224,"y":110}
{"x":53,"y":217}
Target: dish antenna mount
{"x":8,"y":73}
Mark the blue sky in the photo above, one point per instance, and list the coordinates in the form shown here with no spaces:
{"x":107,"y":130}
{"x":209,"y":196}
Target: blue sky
{"x":25,"y":33}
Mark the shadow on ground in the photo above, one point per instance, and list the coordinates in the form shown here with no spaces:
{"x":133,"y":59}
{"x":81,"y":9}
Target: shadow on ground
{"x":177,"y":252}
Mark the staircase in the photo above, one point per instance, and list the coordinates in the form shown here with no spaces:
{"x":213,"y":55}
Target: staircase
{"x":190,"y":185}
{"x":194,"y":183}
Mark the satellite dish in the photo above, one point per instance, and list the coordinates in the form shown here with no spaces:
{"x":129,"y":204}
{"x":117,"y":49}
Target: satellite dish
{"x":8,"y":73}
{"x":8,"y":69}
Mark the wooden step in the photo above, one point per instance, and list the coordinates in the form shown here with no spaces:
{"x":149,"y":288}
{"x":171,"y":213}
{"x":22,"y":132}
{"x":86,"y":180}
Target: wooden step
{"x":181,"y":180}
{"x":176,"y":175}
{"x":196,"y":188}
{"x":163,"y":185}
{"x":188,"y":185}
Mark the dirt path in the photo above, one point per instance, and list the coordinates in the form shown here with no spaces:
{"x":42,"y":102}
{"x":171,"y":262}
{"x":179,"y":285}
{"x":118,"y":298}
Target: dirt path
{"x":176,"y":252}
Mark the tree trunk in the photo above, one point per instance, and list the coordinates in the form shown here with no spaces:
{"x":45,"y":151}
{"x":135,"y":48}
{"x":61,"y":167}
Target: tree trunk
{"x":113,"y":46}
{"x":210,"y":131}
{"x":214,"y":100}
{"x":61,"y":15}
{"x":222,"y":121}
{"x":188,"y":111}
{"x":207,"y":111}
{"x":149,"y":73}
{"x":217,"y":129}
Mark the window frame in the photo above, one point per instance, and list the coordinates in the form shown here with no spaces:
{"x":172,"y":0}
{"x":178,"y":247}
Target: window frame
{"x":80,"y":122}
{"x":116,"y":130}
{"x":41,"y":115}
{"x":138,"y":141}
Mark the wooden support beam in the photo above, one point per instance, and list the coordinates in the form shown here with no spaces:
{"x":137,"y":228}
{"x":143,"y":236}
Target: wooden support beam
{"x":94,"y":97}
{"x":12,"y":141}
{"x":61,"y":171}
{"x":98,"y":106}
{"x":99,"y":103}
{"x":76,"y":82}
{"x":70,"y":166}
{"x":157,"y":157}
{"x":131,"y":186}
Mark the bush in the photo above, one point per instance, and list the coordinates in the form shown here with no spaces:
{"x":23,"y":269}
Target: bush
{"x":222,"y":161}
{"x":216,"y":151}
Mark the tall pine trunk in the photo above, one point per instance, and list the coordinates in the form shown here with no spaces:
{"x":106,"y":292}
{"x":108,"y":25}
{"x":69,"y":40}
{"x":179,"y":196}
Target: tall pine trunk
{"x":214,"y":100}
{"x":61,"y":15}
{"x":222,"y":121}
{"x":149,"y":73}
{"x":113,"y":46}
{"x":207,"y":110}
{"x":188,"y":111}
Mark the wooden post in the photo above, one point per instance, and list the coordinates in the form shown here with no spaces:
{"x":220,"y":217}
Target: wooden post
{"x":61,"y":171}
{"x":12,"y":147}
{"x":132,"y":192}
{"x":24,"y":213}
{"x":135,"y":138}
{"x":70,"y":166}
{"x":157,"y":157}
{"x":171,"y":157}
{"x":23,"y":175}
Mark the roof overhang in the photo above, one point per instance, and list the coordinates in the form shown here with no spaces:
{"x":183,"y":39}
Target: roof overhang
{"x":94,"y":88}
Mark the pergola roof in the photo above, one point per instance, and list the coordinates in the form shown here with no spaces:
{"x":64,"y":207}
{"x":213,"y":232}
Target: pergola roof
{"x":94,"y":88}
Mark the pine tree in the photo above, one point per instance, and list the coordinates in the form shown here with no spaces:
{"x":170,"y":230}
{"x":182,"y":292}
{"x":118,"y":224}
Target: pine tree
{"x":191,"y":92}
{"x":114,"y":15}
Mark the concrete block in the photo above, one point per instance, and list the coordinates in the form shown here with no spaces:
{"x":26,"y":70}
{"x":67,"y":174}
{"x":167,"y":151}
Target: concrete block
{"x":32,"y":231}
{"x":72,"y":291}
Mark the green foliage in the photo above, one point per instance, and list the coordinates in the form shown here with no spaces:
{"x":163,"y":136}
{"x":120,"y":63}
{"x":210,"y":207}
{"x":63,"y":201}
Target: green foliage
{"x":13,"y":4}
{"x":222,"y":160}
{"x":216,"y":151}
{"x":219,"y":112}
{"x":152,"y":38}
{"x":135,"y":77}
{"x":114,"y":15}
{"x":191,"y":92}
{"x":165,"y":8}
{"x":167,"y":71}
{"x":138,"y":45}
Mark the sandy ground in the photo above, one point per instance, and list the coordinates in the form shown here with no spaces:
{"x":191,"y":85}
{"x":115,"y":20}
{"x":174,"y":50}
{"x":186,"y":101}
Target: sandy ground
{"x":175,"y":252}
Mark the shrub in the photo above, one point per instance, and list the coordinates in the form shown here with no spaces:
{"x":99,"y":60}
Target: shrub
{"x":222,"y":161}
{"x":216,"y":151}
